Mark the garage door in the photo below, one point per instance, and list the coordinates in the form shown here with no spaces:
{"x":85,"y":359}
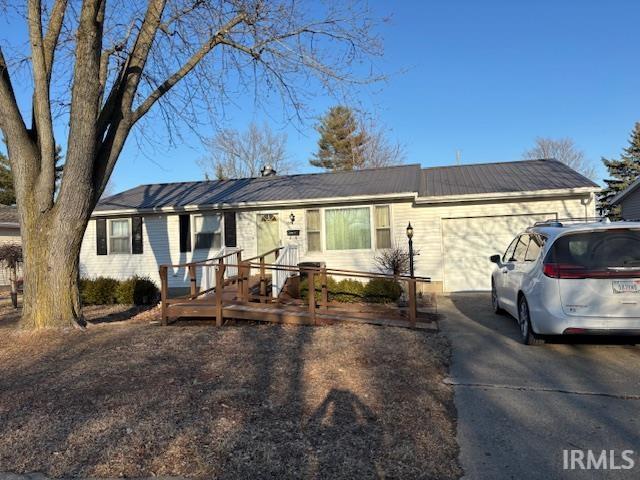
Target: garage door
{"x":469,"y":242}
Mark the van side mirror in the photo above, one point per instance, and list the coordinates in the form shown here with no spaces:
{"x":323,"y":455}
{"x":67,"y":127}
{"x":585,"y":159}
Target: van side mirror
{"x":495,"y":258}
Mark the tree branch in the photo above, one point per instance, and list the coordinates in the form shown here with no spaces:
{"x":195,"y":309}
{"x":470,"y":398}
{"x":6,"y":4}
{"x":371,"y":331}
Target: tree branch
{"x":53,"y":34}
{"x":216,"y":39}
{"x":42,"y":121}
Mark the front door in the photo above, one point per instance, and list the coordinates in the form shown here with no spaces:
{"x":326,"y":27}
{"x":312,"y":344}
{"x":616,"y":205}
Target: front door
{"x":268,"y":232}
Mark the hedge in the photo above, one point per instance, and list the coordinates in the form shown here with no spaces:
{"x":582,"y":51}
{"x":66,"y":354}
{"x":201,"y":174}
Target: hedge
{"x":107,"y":291}
{"x":377,"y":290}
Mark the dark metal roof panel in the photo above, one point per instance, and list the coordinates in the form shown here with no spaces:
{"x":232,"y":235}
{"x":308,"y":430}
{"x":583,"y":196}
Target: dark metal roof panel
{"x":519,"y":176}
{"x":380,"y":181}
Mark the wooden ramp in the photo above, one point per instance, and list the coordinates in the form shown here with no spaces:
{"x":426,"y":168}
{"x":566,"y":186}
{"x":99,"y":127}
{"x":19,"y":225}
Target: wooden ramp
{"x":249,"y":297}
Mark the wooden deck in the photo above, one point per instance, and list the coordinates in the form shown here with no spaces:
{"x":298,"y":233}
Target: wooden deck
{"x":248,"y":297}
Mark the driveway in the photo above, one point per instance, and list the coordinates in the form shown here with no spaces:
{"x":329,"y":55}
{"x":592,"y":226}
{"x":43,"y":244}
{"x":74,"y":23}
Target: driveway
{"x":519,"y":407}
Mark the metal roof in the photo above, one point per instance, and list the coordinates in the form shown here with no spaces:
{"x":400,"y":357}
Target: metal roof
{"x":524,"y":175}
{"x":519,"y":176}
{"x":372,"y":182}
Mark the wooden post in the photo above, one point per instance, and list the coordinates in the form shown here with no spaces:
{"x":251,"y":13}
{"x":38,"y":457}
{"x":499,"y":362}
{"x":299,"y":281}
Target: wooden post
{"x":163,"y":294}
{"x":413,"y":305}
{"x":263,"y":282}
{"x":192,"y":280}
{"x":325,"y":288}
{"x":219,"y":293}
{"x":246,"y":272}
{"x":312,"y":296}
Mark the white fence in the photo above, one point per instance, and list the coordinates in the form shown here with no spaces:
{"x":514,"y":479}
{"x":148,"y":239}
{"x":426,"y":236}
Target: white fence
{"x":288,"y":256}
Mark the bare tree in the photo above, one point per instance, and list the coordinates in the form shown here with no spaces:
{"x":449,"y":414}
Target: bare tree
{"x":236,"y":154}
{"x":563,"y":150}
{"x":379,"y":149}
{"x":98,"y":67}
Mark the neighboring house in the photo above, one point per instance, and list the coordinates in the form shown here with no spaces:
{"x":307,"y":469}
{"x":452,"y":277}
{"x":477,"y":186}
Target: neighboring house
{"x":629,"y":201}
{"x":460,"y":214}
{"x":9,"y":232}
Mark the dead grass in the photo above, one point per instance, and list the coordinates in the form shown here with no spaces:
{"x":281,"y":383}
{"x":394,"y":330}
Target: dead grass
{"x":129,"y":399}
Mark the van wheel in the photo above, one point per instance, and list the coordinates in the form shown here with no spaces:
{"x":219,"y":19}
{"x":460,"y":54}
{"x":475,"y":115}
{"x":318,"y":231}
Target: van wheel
{"x":495,"y":303}
{"x":524,"y":320}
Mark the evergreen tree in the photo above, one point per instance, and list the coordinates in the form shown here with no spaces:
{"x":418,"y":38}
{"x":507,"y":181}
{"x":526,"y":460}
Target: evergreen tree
{"x":622,"y":172}
{"x":7,"y":193}
{"x":342,"y":141}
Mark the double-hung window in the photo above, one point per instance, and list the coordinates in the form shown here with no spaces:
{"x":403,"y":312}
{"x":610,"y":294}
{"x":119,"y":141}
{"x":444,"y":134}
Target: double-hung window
{"x":313,"y":231}
{"x":119,"y":236}
{"x":207,"y":231}
{"x":348,"y":228}
{"x":383,"y":226}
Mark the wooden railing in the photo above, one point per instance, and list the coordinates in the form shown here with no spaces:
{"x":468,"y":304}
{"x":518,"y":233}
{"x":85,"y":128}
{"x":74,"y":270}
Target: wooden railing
{"x":244,"y":272}
{"x":235,"y":254}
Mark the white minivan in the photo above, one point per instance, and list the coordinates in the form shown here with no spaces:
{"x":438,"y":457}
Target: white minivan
{"x":560,"y":278}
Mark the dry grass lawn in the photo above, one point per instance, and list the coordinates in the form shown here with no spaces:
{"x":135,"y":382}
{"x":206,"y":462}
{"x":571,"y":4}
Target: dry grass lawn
{"x":130,"y":399}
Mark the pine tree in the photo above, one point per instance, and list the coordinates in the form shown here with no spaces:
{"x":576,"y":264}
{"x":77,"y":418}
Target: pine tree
{"x":342,"y":141}
{"x":623,"y":172}
{"x":7,"y":193}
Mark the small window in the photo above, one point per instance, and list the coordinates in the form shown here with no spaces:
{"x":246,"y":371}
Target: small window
{"x":207,"y":231}
{"x":383,"y":226}
{"x":535,"y":246}
{"x":313,"y":231}
{"x":119,"y":236}
{"x":348,"y":228}
{"x":521,"y":249}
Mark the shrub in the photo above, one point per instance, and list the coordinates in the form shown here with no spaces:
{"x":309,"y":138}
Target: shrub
{"x":98,"y":291}
{"x":345,"y":291}
{"x":395,"y":260}
{"x":137,"y":290}
{"x":382,"y":290}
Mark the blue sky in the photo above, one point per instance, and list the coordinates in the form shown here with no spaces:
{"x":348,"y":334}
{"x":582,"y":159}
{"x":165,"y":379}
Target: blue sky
{"x":483,"y":77}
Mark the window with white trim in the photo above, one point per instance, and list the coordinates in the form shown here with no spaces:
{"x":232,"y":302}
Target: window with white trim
{"x":313,"y":231}
{"x":348,"y":228}
{"x":382,"y":222}
{"x":207,"y":231}
{"x":119,"y":236}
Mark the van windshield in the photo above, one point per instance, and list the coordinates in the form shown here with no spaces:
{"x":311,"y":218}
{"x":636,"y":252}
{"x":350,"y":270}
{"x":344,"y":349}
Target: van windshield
{"x":606,"y":253}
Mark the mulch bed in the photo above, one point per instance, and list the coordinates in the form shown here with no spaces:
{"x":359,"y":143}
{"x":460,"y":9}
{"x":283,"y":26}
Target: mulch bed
{"x":125,"y":398}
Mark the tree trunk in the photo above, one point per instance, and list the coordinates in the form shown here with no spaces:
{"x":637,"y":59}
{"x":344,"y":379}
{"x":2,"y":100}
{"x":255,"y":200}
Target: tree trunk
{"x":51,"y":250}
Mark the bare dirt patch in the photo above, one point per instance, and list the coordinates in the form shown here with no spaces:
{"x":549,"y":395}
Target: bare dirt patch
{"x":260,"y":401}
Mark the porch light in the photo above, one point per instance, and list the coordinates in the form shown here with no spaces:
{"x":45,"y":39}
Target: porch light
{"x":409,"y":231}
{"x":292,"y":217}
{"x":410,"y":237}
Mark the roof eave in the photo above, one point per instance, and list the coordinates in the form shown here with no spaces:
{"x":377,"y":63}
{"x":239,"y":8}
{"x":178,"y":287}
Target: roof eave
{"x":474,"y":197}
{"x":626,"y":192}
{"x":264,"y":204}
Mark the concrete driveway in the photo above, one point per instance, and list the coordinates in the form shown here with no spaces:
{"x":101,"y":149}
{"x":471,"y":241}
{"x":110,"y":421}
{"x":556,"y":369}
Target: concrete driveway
{"x":519,"y":407}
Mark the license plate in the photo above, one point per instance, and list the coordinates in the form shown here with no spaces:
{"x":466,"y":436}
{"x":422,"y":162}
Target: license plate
{"x":626,"y":286}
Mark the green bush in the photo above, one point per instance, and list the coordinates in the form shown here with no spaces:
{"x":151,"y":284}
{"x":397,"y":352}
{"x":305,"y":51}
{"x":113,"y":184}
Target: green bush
{"x":108,"y":291}
{"x":98,"y":291}
{"x":137,"y":290}
{"x":382,"y":290}
{"x":345,"y":291}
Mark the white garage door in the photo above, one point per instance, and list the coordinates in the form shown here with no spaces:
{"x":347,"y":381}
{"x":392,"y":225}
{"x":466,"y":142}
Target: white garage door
{"x":469,"y":242}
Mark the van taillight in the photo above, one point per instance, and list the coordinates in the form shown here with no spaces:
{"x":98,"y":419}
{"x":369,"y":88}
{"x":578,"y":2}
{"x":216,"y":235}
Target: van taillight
{"x":564,"y":270}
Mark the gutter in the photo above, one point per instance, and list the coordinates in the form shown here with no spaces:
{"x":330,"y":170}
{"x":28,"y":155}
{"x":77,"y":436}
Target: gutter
{"x":9,"y":225}
{"x":627,"y":191}
{"x":533,"y":194}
